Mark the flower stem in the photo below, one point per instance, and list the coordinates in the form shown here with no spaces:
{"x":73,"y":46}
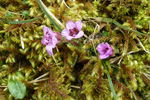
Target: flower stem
{"x":109,"y":79}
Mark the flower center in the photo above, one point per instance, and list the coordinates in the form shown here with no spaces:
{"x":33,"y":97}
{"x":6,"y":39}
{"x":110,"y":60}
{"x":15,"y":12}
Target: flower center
{"x":47,"y":41}
{"x":48,"y":35}
{"x":105,"y":50}
{"x":73,"y":32}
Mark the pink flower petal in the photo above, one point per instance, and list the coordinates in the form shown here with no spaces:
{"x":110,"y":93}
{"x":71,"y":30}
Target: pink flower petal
{"x":103,"y":56}
{"x":54,"y":42}
{"x":105,"y":50}
{"x":69,"y":38}
{"x":65,"y":33}
{"x":78,"y":25}
{"x":107,"y":45}
{"x":44,"y":41}
{"x":49,"y":49}
{"x":54,"y":34}
{"x":70,"y":25}
{"x":109,"y":51}
{"x":48,"y":32}
{"x":101,"y":47}
{"x":80,"y":34}
{"x":46,"y":29}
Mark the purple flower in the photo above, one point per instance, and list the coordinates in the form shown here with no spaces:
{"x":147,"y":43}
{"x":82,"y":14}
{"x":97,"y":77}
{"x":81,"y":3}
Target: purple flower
{"x":105,"y":50}
{"x":49,"y":40}
{"x":73,"y":30}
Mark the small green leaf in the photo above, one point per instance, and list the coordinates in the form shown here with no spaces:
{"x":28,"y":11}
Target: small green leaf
{"x":99,"y":19}
{"x":9,"y":15}
{"x":75,"y":60}
{"x":92,"y":53}
{"x":104,"y":33}
{"x":24,"y":2}
{"x":6,"y":40}
{"x":116,"y":71}
{"x":126,"y":28}
{"x":25,"y":13}
{"x":1,"y":63}
{"x":25,"y":21}
{"x":17,"y":89}
{"x":106,"y":63}
{"x":111,"y":86}
{"x":19,"y":75}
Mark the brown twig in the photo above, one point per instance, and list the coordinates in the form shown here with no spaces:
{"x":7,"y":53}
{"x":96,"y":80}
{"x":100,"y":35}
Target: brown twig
{"x":2,"y":58}
{"x":3,"y":86}
{"x":130,"y":74}
{"x":85,"y":67}
{"x":13,"y":27}
{"x":100,"y":75}
{"x":35,"y":81}
{"x":56,"y":89}
{"x":146,"y":80}
{"x":120,"y":85}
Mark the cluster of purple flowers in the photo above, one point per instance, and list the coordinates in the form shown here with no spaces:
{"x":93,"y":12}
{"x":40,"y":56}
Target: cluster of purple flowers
{"x":72,"y":31}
